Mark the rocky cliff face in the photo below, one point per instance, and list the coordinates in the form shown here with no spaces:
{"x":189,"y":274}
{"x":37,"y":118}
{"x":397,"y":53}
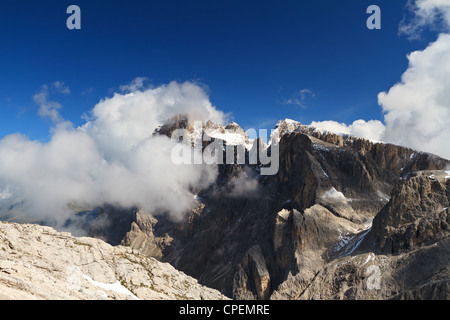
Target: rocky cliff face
{"x":404,"y":255}
{"x":416,"y":216}
{"x":344,"y":218}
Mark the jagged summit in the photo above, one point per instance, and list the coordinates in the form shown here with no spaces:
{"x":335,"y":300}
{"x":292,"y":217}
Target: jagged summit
{"x":340,"y":139}
{"x":233,"y":126}
{"x":232,"y":133}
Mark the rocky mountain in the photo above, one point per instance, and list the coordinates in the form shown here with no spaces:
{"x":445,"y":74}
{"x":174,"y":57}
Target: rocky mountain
{"x":343,"y":218}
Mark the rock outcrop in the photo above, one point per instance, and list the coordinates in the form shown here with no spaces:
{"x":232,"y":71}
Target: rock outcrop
{"x":417,"y":214}
{"x":37,"y":262}
{"x":404,"y":255}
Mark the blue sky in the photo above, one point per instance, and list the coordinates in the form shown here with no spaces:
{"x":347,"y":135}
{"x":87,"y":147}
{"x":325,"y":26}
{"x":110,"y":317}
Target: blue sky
{"x":309,"y":60}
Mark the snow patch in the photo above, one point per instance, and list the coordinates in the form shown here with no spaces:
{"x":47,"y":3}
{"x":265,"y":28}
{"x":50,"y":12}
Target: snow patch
{"x":290,"y":121}
{"x":323,"y":171}
{"x":349,"y":243}
{"x":334,"y":194}
{"x":231,"y":138}
{"x":283,"y":127}
{"x":357,"y":241}
{"x":116,"y":287}
{"x":383,"y":196}
{"x":228,"y":137}
{"x":369,"y":257}
{"x":342,"y":242}
{"x":320,"y":147}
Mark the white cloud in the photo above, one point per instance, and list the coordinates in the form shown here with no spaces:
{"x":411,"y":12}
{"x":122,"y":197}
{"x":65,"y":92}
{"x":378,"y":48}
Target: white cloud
{"x":299,"y":98}
{"x":135,"y":85}
{"x":373,"y":129}
{"x":122,"y":122}
{"x":113,"y":158}
{"x":418,"y":108}
{"x":60,"y":87}
{"x":47,"y":109}
{"x":87,"y":91}
{"x":426,"y":14}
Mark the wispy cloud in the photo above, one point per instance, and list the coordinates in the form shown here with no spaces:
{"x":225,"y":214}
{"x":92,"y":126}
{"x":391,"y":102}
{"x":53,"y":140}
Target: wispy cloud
{"x":423,"y":14}
{"x":373,"y":129}
{"x":87,"y":91}
{"x":136,"y":84}
{"x":299,"y":98}
{"x":244,"y":186}
{"x":47,"y":109}
{"x":60,"y":87}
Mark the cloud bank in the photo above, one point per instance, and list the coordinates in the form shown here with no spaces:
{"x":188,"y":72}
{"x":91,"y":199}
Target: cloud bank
{"x":373,"y":129}
{"x":417,"y":108}
{"x":120,"y":123}
{"x":113,"y":158}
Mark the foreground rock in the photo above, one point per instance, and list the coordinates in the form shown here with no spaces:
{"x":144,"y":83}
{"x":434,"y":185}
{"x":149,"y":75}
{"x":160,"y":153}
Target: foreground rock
{"x":39,"y":263}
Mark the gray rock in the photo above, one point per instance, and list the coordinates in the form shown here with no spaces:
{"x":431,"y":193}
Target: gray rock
{"x":39,"y":263}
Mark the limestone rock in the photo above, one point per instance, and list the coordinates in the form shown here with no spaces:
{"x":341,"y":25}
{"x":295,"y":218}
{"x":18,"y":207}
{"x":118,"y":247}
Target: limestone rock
{"x":419,"y":274}
{"x":404,"y":255}
{"x":39,"y":263}
{"x":417,"y":215}
{"x":142,"y":238}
